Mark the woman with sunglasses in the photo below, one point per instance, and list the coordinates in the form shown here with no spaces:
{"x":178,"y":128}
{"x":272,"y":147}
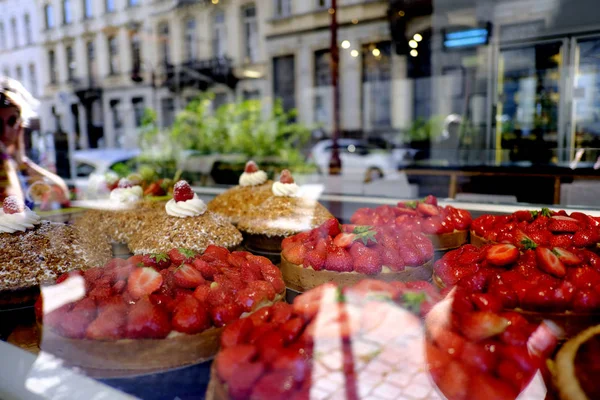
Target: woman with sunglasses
{"x":17,"y":172}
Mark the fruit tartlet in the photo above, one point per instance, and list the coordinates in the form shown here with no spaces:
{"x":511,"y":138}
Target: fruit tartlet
{"x":253,"y":189}
{"x":120,"y":217}
{"x":541,"y":282}
{"x":477,"y":351}
{"x":154,"y":311}
{"x":283,"y":214}
{"x":33,"y":251}
{"x":184,"y":223}
{"x":447,"y":227}
{"x":576,"y":368}
{"x":331,"y":343}
{"x":545,"y":227}
{"x":346,"y":254}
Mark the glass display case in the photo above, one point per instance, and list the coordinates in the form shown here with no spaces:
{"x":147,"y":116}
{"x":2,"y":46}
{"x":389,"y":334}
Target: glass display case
{"x":233,"y":199}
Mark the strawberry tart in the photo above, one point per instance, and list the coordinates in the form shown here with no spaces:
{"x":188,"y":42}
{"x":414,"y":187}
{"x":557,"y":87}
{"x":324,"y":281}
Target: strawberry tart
{"x":347,"y":254}
{"x":253,"y":189}
{"x":283,"y":214}
{"x":33,"y":251}
{"x":331,"y":343}
{"x":447,"y":227}
{"x":541,"y":282}
{"x":545,"y":227}
{"x":155,"y":311}
{"x":185,"y":223}
{"x":475,"y":350}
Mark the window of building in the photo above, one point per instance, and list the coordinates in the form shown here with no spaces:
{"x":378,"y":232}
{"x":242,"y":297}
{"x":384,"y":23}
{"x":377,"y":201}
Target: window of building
{"x":92,"y":69}
{"x":323,"y":3}
{"x":110,"y":6}
{"x":283,"y":8}
{"x":28,"y":33}
{"x":52,"y":67}
{"x":219,"y":34}
{"x":67,"y":16}
{"x":133,"y":3}
{"x":251,"y":94}
{"x":49,"y":16}
{"x":284,"y":82}
{"x":165,"y":45}
{"x":136,"y":51}
{"x":167,"y":106}
{"x":250,"y":25}
{"x":113,"y":55}
{"x":15,"y":31}
{"x":138,"y":110}
{"x":190,"y":40}
{"x":115,"y":111}
{"x":19,"y":74}
{"x":322,"y":68}
{"x":2,"y":37}
{"x":376,"y":77}
{"x":33,"y":79}
{"x":70,"y":63}
{"x":87,"y":9}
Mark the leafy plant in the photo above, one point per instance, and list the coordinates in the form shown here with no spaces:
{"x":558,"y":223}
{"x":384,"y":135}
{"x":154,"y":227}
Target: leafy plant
{"x":426,"y":129}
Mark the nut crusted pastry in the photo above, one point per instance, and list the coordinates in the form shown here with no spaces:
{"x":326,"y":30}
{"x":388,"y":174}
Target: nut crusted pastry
{"x":43,"y":253}
{"x":236,"y":202}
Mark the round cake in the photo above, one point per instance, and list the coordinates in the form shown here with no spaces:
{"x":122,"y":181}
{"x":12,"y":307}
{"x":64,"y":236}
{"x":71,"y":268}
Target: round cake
{"x":283,"y":214}
{"x":347,"y":254}
{"x":253,"y":189}
{"x":34,"y":252}
{"x":447,"y":227}
{"x":332,"y":343}
{"x":183,"y":223}
{"x":155,"y":311}
{"x":544,"y":227}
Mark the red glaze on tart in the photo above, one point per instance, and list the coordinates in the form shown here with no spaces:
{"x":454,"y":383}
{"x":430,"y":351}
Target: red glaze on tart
{"x":554,"y":283}
{"x":346,"y":254}
{"x":330,"y":343}
{"x":156,"y":311}
{"x":447,"y":226}
{"x":474,"y":350}
{"x":545,"y":228}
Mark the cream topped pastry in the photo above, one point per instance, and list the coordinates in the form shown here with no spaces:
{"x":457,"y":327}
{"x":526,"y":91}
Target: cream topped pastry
{"x":127,"y":192}
{"x":286,"y":187}
{"x":252,"y":176}
{"x":185,"y":203}
{"x":16,"y":216}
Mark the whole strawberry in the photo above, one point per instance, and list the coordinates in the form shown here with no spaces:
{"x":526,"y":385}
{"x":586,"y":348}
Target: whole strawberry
{"x":182,"y":191}
{"x":251,"y":167}
{"x":366,"y":260}
{"x":13,"y":205}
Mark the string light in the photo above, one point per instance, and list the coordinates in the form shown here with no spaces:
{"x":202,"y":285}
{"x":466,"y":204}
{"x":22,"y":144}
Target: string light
{"x":376,"y":52}
{"x":346,"y":44}
{"x":417,"y":37}
{"x":414,"y":53}
{"x":413,"y":44}
{"x":354,"y":53}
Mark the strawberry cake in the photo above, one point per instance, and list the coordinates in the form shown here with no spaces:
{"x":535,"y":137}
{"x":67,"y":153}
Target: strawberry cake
{"x":541,"y":282}
{"x":475,"y":350}
{"x":253,"y":189}
{"x":185,"y":223}
{"x":545,"y":227}
{"x":154,"y":311}
{"x":33,"y":251}
{"x":346,"y":254}
{"x":331,"y":343}
{"x":447,"y":227}
{"x":284,"y":213}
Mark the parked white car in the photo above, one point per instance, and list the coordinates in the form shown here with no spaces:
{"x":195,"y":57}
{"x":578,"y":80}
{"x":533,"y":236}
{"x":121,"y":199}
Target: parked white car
{"x":360,"y":159}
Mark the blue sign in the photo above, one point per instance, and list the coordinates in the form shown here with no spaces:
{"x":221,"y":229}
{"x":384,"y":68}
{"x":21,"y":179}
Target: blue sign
{"x":469,"y":37}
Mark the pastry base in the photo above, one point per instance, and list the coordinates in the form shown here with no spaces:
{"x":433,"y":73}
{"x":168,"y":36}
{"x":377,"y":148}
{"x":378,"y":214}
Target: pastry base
{"x":479,"y":241}
{"x":263,"y":243}
{"x":572,"y":323}
{"x":301,"y":279}
{"x":449,"y":241}
{"x":216,"y":389}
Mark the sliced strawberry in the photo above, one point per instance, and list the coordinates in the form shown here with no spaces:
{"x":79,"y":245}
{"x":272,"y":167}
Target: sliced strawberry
{"x":182,"y":191}
{"x":562,"y":224}
{"x":482,"y":325}
{"x":13,"y":205}
{"x":236,"y":333}
{"x":524,"y":242}
{"x":136,"y":261}
{"x":502,"y":254}
{"x":109,"y":325}
{"x":147,"y":321}
{"x":216,"y":252}
{"x":567,"y":257}
{"x":251,"y":167}
{"x":180,"y":255}
{"x":188,"y":277}
{"x":143,"y":282}
{"x":316,"y":258}
{"x":225,"y":314}
{"x":68,"y":275}
{"x":238,"y":259}
{"x":428,"y":209}
{"x":344,"y":240}
{"x":249,"y":298}
{"x":189,"y":316}
{"x":286,"y":177}
{"x":366,"y":260}
{"x":430,"y":199}
{"x":208,"y":271}
{"x":201,"y":293}
{"x":295,"y":253}
{"x":229,"y":357}
{"x":338,"y":260}
{"x":273,"y":275}
{"x":549,"y":262}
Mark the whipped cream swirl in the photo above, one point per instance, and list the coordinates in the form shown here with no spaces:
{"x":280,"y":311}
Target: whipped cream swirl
{"x":127,"y":195}
{"x":11,"y":223}
{"x":285,"y":189}
{"x":253,"y":178}
{"x":184,"y":209}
